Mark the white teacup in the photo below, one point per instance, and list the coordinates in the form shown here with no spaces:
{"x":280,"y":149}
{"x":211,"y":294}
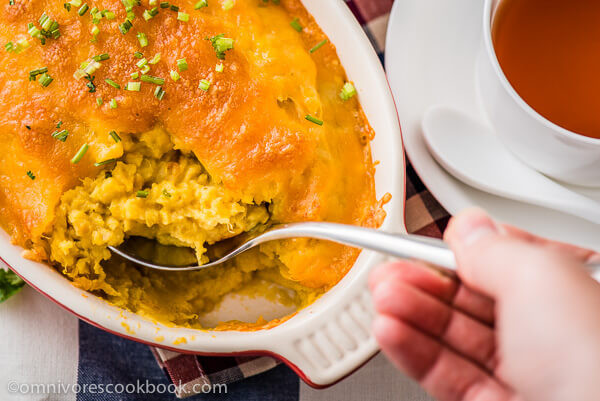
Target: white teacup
{"x":543,"y":145}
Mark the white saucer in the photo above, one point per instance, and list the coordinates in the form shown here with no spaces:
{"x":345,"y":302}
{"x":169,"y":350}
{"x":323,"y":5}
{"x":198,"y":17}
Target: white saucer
{"x":431,"y":50}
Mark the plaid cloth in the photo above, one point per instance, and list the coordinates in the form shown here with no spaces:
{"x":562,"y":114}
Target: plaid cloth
{"x":424,"y":216}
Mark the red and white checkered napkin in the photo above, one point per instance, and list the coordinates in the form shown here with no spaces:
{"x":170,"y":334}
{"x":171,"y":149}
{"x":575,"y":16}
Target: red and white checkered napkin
{"x":424,"y":216}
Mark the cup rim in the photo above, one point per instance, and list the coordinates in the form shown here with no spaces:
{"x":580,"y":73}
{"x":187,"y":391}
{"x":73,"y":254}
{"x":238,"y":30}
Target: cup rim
{"x":491,"y":52}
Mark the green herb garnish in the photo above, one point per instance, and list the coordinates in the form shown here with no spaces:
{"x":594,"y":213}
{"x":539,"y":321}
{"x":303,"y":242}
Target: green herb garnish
{"x":221,"y":44}
{"x":313,"y":119}
{"x":114,"y":135}
{"x":60,"y":135}
{"x":80,"y":153}
{"x":319,"y":45}
{"x":10,"y":284}
{"x":296,"y":25}
{"x":204,"y":85}
{"x":201,"y":4}
{"x":348,"y":91}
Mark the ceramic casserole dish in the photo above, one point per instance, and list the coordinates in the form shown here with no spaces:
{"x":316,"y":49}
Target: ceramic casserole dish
{"x":327,"y":340}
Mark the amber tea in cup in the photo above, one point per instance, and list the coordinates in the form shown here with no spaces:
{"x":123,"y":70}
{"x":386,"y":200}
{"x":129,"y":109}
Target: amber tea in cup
{"x":549,"y":51}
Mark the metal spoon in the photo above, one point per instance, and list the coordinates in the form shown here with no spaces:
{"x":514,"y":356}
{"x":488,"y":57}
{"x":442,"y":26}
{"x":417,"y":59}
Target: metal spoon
{"x":430,"y":250}
{"x":471,"y":152}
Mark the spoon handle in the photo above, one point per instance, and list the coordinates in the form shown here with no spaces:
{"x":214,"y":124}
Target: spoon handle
{"x":431,"y":250}
{"x":407,"y":246}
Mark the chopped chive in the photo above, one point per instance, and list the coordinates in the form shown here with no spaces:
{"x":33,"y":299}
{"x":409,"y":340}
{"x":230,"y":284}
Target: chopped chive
{"x":67,"y":7}
{"x":152,"y":80}
{"x":109,"y":15}
{"x":105,"y":162}
{"x":46,"y":22}
{"x":75,"y":3}
{"x":159,"y":93}
{"x":141,"y":63}
{"x":313,"y":119}
{"x":221,"y":44}
{"x":59,"y":124}
{"x":61,"y":135}
{"x":228,"y":5}
{"x":22,"y":44}
{"x":99,"y":101}
{"x":219,"y":67}
{"x":318,"y":45}
{"x":142,"y":39}
{"x":34,"y":31}
{"x":164,"y":4}
{"x":348,"y":91}
{"x":46,"y":80}
{"x":200,"y":4}
{"x":95,"y":31}
{"x":34,"y":73}
{"x":174,"y":75}
{"x":115,"y":136}
{"x":183,"y":16}
{"x":112,"y":83}
{"x":296,"y":25}
{"x":153,"y":2}
{"x":145,"y":69}
{"x":149,"y":14}
{"x":113,"y":104}
{"x":135,"y":75}
{"x":155,"y":59}
{"x":96,"y":15}
{"x":142,"y":194}
{"x":125,"y":26}
{"x":138,"y":55}
{"x":133,"y":86}
{"x":11,"y":2}
{"x":174,"y":8}
{"x":9,"y":46}
{"x":182,"y":64}
{"x":90,"y":68}
{"x":80,"y":153}
{"x":101,"y":57}
{"x":204,"y":85}
{"x":83,"y":9}
{"x":30,"y":175}
{"x":90,"y":85}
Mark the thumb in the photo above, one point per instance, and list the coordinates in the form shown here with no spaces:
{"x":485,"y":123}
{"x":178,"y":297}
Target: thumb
{"x":491,"y":261}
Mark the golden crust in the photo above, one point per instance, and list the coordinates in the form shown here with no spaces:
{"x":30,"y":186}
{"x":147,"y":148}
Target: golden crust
{"x":248,"y":129}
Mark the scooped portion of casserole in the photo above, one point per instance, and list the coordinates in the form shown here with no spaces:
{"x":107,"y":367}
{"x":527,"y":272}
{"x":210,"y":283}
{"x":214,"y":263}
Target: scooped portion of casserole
{"x":187,"y":124}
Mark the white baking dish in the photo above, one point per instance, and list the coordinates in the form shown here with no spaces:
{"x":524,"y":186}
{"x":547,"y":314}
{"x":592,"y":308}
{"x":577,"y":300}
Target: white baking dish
{"x":326,"y":341}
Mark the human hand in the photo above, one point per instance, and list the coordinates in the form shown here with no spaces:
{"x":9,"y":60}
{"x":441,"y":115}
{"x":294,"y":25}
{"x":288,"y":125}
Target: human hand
{"x":522,"y":324}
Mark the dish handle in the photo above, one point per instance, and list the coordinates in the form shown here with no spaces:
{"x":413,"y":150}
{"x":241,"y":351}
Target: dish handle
{"x":328,"y":347}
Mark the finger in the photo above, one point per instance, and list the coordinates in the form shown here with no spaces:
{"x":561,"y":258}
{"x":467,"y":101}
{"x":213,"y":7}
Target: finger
{"x":462,"y":333}
{"x":492,"y":262}
{"x":416,"y":274}
{"x":438,"y":285}
{"x":581,"y":254}
{"x":443,"y":373}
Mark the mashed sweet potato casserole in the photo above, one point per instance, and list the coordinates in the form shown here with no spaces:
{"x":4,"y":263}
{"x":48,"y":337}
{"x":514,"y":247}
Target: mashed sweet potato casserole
{"x":187,"y":122}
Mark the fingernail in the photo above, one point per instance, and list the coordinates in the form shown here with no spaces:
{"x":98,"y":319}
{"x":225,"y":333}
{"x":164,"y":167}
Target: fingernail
{"x":473,"y":226}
